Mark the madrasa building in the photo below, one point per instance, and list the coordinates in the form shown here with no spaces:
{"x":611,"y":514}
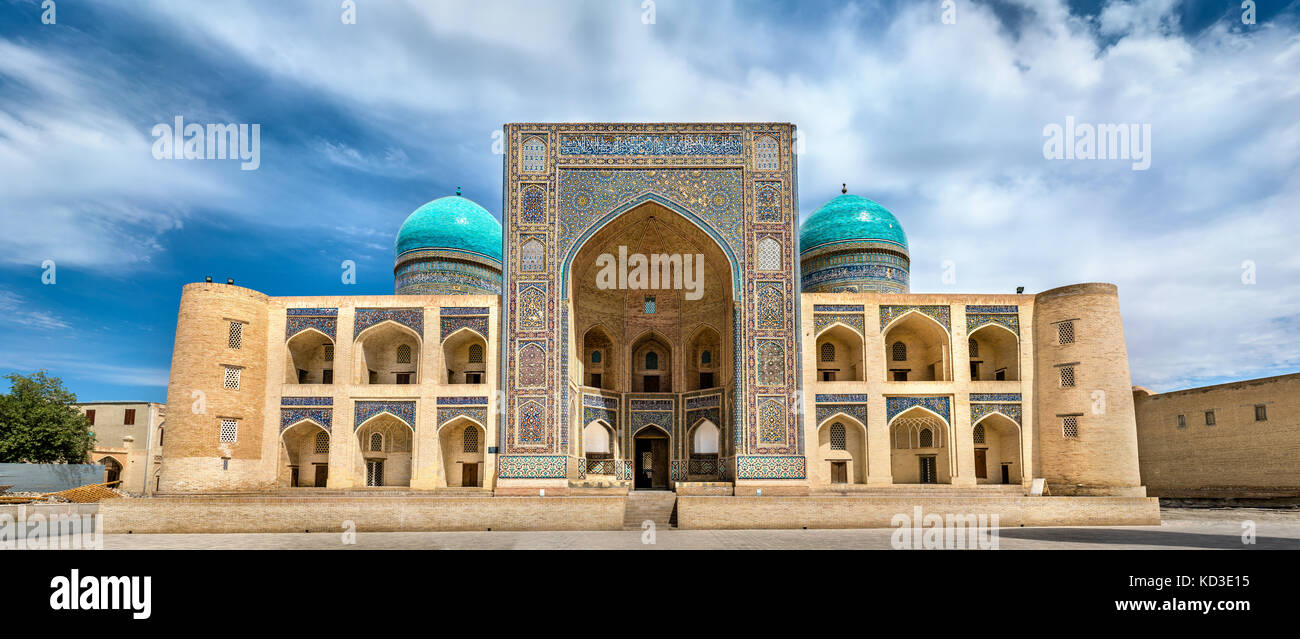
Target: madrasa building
{"x":651,"y":314}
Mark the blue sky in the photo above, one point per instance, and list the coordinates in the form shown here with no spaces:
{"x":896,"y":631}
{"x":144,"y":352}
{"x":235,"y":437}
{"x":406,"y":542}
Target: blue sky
{"x":362,"y":123}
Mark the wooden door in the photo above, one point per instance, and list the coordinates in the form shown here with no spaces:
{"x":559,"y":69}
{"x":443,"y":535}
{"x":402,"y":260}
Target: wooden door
{"x":981,"y":461}
{"x":322,"y":475}
{"x":839,"y":472}
{"x":928,"y":474}
{"x":660,"y":450}
{"x":1006,"y":474}
{"x":469,"y":474}
{"x":293,"y":477}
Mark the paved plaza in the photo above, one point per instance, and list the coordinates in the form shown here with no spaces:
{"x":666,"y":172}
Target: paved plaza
{"x":1182,"y":528}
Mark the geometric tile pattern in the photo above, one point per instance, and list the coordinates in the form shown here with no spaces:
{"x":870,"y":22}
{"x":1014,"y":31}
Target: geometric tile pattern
{"x":937,"y":404}
{"x":403,"y":410}
{"x":854,"y":321}
{"x":306,"y":401}
{"x":940,"y":313}
{"x":322,"y":416}
{"x":449,"y":325}
{"x":532,"y":466}
{"x":856,"y":411}
{"x":324,"y":320}
{"x":770,"y":467}
{"x":995,"y":397}
{"x":477,"y":414}
{"x":412,"y":318}
{"x":980,"y":411}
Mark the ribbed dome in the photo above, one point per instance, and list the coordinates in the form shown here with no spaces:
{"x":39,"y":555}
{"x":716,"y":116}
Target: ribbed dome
{"x":850,"y":218}
{"x":451,"y":223}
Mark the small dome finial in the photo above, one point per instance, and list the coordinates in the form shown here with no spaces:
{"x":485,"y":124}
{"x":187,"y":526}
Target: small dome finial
{"x":458,"y":190}
{"x":844,"y":187}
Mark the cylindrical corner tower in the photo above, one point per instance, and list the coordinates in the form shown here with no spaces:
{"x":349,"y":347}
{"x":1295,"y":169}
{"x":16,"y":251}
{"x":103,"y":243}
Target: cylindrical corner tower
{"x":1086,"y":430}
{"x":216,"y":395}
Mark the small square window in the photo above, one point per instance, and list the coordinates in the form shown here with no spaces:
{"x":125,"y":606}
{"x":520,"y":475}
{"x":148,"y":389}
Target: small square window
{"x":232,"y":378}
{"x":1209,"y":418}
{"x":229,"y":431}
{"x":1065,"y":333}
{"x":649,"y":305}
{"x":129,"y":418}
{"x":1261,"y":413}
{"x":1070,"y":427}
{"x":1067,"y":376}
{"x":1182,"y":421}
{"x":236,"y":339}
{"x":90,"y":415}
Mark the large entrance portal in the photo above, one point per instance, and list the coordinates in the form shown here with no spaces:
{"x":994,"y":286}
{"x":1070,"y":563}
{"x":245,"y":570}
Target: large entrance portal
{"x":651,"y":459}
{"x":653,"y":312}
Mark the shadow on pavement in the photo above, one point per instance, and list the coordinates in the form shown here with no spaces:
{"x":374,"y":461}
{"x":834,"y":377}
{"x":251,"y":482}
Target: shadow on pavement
{"x":1178,"y":539}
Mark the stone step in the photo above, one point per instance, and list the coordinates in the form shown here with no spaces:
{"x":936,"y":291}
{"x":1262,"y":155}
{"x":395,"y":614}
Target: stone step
{"x":657,"y":506}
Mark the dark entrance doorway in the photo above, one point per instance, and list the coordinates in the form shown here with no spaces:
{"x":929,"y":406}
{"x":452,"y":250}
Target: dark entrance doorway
{"x":322,"y":475}
{"x":469,"y":474}
{"x":1006,"y":474}
{"x":928,"y":474}
{"x":651,"y":459}
{"x":981,"y":463}
{"x":839,"y":472}
{"x":112,"y":471}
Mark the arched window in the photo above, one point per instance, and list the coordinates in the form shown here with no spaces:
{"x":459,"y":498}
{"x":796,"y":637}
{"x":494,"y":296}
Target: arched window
{"x":837,"y":436}
{"x":403,"y":354}
{"x":376,"y":443}
{"x":828,"y":352}
{"x":765,"y":155}
{"x":978,"y":434}
{"x":974,"y":347}
{"x":532,"y":256}
{"x":652,"y":361}
{"x":926,"y":439}
{"x":476,"y":353}
{"x":899,"y":351}
{"x":471,"y":439}
{"x":322,"y":444}
{"x":769,"y":255}
{"x":706,"y":357}
{"x":534,"y":155}
{"x":595,"y":357}
{"x":706,"y":439}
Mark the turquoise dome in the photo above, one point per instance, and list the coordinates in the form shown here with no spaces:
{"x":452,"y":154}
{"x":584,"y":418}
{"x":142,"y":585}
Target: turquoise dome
{"x":850,"y":218}
{"x":451,"y":223}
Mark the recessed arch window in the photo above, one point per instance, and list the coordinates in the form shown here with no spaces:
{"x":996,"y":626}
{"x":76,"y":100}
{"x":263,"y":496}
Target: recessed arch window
{"x":974,"y":347}
{"x":899,"y":352}
{"x":765,"y":154}
{"x":978,"y":434}
{"x":376,"y":442}
{"x":769,"y":255}
{"x":837,"y":436}
{"x":471,"y":439}
{"x":926,"y":439}
{"x":652,"y":361}
{"x":828,"y":352}
{"x":706,"y":357}
{"x":532,"y":256}
{"x":595,"y":357}
{"x":476,"y":353}
{"x":534,"y":157}
{"x":322,"y":443}
{"x":403,"y":354}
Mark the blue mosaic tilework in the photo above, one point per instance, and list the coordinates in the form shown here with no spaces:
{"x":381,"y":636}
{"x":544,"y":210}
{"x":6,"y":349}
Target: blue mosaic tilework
{"x":449,"y":325}
{"x":322,"y":416}
{"x":599,"y":401}
{"x":532,"y":466}
{"x":324,"y":320}
{"x":767,"y":201}
{"x":306,"y":401}
{"x":712,"y":414}
{"x":770,"y":307}
{"x":703,"y":401}
{"x":851,"y":398}
{"x":463,"y":310}
{"x":651,"y":144}
{"x":980,"y":411}
{"x":854,"y":272}
{"x":582,"y":468}
{"x":477,"y":414}
{"x":458,"y":401}
{"x":421,"y":274}
{"x":623,"y":468}
{"x":838,"y":308}
{"x":856,"y":411}
{"x":651,"y":404}
{"x":593,"y":413}
{"x":662,"y":419}
{"x":974,"y":321}
{"x":995,"y":397}
{"x":939,"y":405}
{"x":403,"y":410}
{"x":941,"y":314}
{"x":976,"y":308}
{"x":532,"y":422}
{"x":412,"y":318}
{"x":822,"y":320}
{"x":771,"y":467}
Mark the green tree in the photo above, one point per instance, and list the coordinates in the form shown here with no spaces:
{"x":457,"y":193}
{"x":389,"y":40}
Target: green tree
{"x":40,"y":424}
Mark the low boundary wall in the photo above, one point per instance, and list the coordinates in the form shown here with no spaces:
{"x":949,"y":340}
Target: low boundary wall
{"x":875,"y":511}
